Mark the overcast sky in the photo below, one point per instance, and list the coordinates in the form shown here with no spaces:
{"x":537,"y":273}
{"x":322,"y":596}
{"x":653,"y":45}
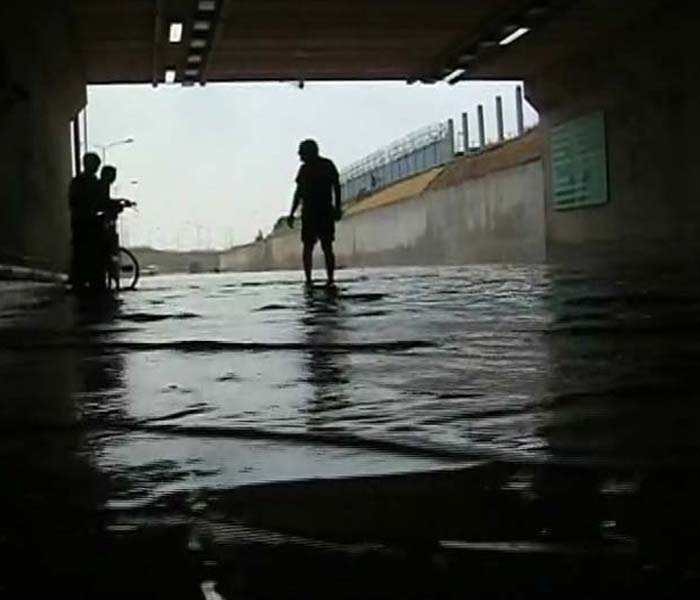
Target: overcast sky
{"x":215,"y":164}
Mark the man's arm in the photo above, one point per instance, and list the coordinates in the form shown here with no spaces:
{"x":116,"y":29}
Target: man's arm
{"x":296,"y":200}
{"x":295,"y":204}
{"x":337,"y":194}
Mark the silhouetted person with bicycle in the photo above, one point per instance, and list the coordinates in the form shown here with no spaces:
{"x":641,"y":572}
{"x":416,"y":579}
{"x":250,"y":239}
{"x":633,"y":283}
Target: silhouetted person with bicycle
{"x":93,"y":223}
{"x":108,"y":211}
{"x":84,"y":195}
{"x":318,"y":191}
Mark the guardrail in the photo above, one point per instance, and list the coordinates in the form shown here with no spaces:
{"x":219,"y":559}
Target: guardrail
{"x":424,"y":149}
{"x":419,"y":151}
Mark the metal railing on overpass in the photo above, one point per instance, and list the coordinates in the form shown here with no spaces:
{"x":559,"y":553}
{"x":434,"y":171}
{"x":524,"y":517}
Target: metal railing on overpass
{"x":425,"y":149}
{"x":415,"y":153}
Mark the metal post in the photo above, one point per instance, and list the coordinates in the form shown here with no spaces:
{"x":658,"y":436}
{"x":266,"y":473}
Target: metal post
{"x":450,"y":139}
{"x":519,"y":109}
{"x":482,"y":129}
{"x":465,"y":132}
{"x":76,"y":143}
{"x":499,"y":118}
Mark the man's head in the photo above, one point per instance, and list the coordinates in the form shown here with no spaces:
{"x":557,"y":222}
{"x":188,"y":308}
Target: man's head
{"x":91,"y":162}
{"x":308,"y":150}
{"x":108,"y":174}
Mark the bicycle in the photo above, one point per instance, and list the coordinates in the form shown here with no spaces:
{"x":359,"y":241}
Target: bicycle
{"x":125,"y":272}
{"x":122,"y":268}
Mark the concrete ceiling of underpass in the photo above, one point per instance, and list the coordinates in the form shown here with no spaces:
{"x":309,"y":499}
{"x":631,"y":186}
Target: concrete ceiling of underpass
{"x":128,"y":41}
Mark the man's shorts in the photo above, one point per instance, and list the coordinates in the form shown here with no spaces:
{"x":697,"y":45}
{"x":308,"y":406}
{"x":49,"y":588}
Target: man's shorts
{"x":318,"y":226}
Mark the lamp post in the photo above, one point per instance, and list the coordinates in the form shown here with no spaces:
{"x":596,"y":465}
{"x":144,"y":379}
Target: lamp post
{"x":104,"y":147}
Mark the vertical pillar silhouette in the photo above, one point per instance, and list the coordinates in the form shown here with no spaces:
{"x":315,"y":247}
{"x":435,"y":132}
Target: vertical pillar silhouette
{"x":451,"y":138}
{"x":519,"y":115}
{"x":465,"y":132}
{"x":499,"y":119}
{"x":482,"y":129}
{"x":76,"y":144}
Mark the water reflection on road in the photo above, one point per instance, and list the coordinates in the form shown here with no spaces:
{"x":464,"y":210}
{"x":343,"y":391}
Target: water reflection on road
{"x":201,"y":383}
{"x":327,"y":372}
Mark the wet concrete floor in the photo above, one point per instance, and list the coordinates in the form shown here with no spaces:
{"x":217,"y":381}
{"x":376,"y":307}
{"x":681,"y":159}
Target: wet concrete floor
{"x":421,"y":433}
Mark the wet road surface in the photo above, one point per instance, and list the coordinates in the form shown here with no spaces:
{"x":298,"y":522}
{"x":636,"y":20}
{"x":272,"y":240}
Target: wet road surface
{"x":532,"y":421}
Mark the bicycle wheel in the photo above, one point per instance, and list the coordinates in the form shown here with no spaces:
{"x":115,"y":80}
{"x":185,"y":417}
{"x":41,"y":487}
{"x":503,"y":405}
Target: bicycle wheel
{"x":129,"y":270}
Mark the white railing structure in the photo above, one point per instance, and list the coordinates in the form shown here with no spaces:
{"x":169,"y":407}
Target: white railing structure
{"x":419,"y":151}
{"x":426,"y":148}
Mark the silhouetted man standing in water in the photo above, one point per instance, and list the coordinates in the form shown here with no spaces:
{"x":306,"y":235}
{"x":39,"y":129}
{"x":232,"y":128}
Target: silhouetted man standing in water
{"x":318,"y":185}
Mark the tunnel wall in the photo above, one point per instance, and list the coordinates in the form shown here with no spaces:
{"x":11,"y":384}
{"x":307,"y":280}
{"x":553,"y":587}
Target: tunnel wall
{"x":41,"y":89}
{"x":484,"y":209}
{"x":645,"y":82}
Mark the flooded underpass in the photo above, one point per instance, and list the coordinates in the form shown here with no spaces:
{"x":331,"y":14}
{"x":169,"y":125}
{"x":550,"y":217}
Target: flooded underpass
{"x":418,"y":433}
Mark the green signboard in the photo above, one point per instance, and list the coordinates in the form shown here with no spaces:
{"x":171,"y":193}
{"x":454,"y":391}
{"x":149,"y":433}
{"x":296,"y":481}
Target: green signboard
{"x":580,"y":163}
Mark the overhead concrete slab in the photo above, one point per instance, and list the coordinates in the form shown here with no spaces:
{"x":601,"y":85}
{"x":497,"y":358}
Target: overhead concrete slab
{"x":129,"y":41}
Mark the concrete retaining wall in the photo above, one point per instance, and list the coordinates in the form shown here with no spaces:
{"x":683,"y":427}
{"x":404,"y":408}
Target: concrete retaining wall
{"x":484,"y":209}
{"x":41,"y":89}
{"x":644,"y":80}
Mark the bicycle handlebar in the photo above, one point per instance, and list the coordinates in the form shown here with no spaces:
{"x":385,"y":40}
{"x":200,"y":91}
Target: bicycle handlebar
{"x":112,"y":213}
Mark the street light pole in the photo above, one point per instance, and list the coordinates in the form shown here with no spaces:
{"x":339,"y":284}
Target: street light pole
{"x":105,"y":147}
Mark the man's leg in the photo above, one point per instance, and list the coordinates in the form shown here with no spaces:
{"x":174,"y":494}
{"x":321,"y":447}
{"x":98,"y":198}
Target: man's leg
{"x":327,"y":246}
{"x":308,"y":258}
{"x":96,"y":264}
{"x":97,"y":273}
{"x":79,"y":255}
{"x":77,"y":265}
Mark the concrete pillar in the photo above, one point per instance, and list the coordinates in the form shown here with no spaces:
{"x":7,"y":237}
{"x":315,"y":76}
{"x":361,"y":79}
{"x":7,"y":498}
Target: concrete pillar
{"x":482,"y":128}
{"x":450,"y":139}
{"x":85,"y":128}
{"x":48,"y":91}
{"x":499,"y":118}
{"x":465,"y":132}
{"x":519,"y":115}
{"x":76,"y":144}
{"x":648,"y":211}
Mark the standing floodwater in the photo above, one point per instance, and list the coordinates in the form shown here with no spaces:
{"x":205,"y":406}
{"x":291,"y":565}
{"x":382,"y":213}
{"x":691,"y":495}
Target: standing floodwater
{"x":194,"y":385}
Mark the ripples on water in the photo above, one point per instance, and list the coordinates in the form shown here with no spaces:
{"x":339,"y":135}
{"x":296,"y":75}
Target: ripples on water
{"x":198,"y":382}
